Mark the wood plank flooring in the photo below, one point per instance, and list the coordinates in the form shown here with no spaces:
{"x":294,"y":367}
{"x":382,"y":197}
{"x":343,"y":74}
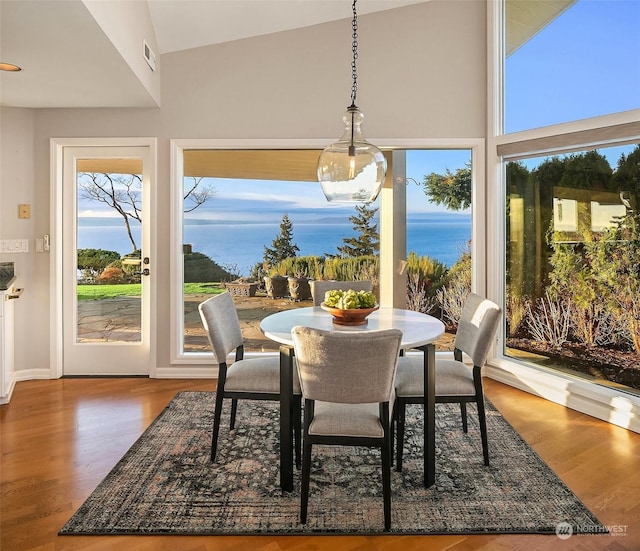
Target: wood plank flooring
{"x":58,"y":439}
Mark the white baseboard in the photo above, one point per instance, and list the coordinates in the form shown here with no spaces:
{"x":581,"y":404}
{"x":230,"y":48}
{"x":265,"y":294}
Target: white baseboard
{"x":613,"y":406}
{"x":26,"y":375}
{"x":32,"y":374}
{"x":7,"y":397}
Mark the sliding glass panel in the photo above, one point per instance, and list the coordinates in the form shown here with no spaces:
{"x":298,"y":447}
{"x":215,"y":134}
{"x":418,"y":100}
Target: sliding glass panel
{"x":573,"y":263}
{"x":569,"y":60}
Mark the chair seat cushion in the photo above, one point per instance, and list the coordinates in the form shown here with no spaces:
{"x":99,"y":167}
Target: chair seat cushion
{"x":453,"y":378}
{"x":333,"y":419}
{"x":259,"y":375}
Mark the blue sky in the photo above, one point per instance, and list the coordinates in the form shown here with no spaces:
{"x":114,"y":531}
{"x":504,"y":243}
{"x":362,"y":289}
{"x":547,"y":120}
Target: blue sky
{"x":584,"y":64}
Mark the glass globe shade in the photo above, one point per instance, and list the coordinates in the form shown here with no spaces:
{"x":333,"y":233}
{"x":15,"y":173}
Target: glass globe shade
{"x":351,"y":170}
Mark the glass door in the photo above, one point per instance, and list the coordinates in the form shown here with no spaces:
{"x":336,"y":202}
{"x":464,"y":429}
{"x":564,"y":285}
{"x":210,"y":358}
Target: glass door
{"x":106,"y":263}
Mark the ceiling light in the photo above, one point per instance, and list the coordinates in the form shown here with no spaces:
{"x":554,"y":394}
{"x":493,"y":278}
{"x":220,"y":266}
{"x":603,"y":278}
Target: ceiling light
{"x":352,"y":170}
{"x":9,"y":67}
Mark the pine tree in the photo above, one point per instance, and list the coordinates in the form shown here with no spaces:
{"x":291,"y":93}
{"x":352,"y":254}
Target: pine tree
{"x":282,"y":246}
{"x":367,"y":242}
{"x":450,"y":190}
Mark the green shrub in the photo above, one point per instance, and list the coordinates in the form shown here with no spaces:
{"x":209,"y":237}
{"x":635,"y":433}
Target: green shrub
{"x":199,"y":268}
{"x":351,"y":268}
{"x":425,"y":277}
{"x":299,"y":266}
{"x":92,"y":262}
{"x":455,"y":290}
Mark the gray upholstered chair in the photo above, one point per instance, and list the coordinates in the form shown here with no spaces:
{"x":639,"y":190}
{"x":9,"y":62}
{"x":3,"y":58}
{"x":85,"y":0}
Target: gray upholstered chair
{"x":455,"y":381}
{"x":253,"y":379}
{"x":320,"y":287}
{"x":347,"y":384}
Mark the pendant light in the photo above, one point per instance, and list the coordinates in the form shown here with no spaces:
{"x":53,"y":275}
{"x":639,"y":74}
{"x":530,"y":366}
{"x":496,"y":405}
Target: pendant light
{"x":352,"y":170}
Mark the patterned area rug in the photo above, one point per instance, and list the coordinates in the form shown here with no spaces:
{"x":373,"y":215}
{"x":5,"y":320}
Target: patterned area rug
{"x":166,"y":484}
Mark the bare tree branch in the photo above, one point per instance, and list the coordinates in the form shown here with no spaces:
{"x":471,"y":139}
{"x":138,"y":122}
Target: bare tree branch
{"x":198,"y":194}
{"x":122,"y":193}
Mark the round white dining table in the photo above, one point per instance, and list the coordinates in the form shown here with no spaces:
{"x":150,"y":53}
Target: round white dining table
{"x":419,"y":331}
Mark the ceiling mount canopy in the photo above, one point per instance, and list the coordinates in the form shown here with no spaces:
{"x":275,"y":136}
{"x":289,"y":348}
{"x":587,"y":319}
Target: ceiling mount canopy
{"x":352,"y":170}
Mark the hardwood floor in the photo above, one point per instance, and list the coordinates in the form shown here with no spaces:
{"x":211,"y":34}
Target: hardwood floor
{"x":60,"y":438}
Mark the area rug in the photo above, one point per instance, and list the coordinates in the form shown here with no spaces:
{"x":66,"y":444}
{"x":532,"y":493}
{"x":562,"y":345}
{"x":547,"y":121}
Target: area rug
{"x":166,"y":483}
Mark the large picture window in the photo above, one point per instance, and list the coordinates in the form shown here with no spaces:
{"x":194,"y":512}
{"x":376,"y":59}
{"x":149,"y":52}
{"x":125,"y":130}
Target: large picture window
{"x":564,"y":259}
{"x":573,"y":263}
{"x":255,"y":223}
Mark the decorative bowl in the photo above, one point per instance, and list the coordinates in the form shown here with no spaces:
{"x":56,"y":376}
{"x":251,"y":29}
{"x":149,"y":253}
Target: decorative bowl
{"x":353,"y":316}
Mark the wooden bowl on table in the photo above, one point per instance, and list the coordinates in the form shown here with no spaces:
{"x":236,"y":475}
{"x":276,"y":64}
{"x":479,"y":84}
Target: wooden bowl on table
{"x":353,"y":316}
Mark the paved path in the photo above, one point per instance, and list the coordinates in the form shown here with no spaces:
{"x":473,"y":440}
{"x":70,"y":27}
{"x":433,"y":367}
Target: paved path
{"x":118,"y":319}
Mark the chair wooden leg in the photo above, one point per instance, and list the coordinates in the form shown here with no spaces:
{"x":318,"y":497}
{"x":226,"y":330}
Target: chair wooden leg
{"x":393,"y":431}
{"x":477,"y":383}
{"x":483,"y":429}
{"x":400,"y":419}
{"x":386,"y":475}
{"x":216,"y":424}
{"x":463,"y":413}
{"x":234,"y":410}
{"x":297,"y":440}
{"x":306,"y":463}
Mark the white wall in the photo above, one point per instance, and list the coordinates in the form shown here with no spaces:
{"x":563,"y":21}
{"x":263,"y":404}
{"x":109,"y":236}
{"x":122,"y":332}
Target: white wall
{"x":127,"y":24}
{"x":17,"y":186}
{"x":422,"y":74}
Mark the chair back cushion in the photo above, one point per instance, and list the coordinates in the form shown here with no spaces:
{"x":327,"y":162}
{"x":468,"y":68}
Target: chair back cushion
{"x":477,"y":327}
{"x":221,"y":323}
{"x":348,"y":367}
{"x":319,"y":288}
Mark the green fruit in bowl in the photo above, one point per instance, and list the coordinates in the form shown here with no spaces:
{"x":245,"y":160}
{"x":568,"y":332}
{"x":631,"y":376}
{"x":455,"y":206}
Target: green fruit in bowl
{"x":350,"y":299}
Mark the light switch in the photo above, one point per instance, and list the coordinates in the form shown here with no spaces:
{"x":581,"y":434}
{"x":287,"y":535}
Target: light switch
{"x":14,"y":246}
{"x":24,"y":211}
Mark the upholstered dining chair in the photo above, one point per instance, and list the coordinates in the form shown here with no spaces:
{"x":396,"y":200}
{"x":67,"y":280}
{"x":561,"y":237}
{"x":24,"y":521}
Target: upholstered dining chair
{"x":320,"y":287}
{"x":455,"y":380}
{"x":252,"y":379}
{"x":346,"y":380}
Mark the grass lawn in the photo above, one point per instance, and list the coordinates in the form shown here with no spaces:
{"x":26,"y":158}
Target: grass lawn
{"x":99,"y":292}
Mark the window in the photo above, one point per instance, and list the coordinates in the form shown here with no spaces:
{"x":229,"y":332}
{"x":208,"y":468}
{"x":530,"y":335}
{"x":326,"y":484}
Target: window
{"x":568,"y":61}
{"x":233,"y":204}
{"x":573,"y":263}
{"x":568,"y":201}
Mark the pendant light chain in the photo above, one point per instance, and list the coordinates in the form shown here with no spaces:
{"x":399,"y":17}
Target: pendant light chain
{"x":354,"y":49}
{"x":352,"y":170}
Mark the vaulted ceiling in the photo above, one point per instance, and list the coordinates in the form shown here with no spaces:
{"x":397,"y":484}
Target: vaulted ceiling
{"x":68,"y":61}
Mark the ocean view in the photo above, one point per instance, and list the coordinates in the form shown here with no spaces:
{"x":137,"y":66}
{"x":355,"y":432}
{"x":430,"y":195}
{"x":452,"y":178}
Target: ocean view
{"x":439,"y":235}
